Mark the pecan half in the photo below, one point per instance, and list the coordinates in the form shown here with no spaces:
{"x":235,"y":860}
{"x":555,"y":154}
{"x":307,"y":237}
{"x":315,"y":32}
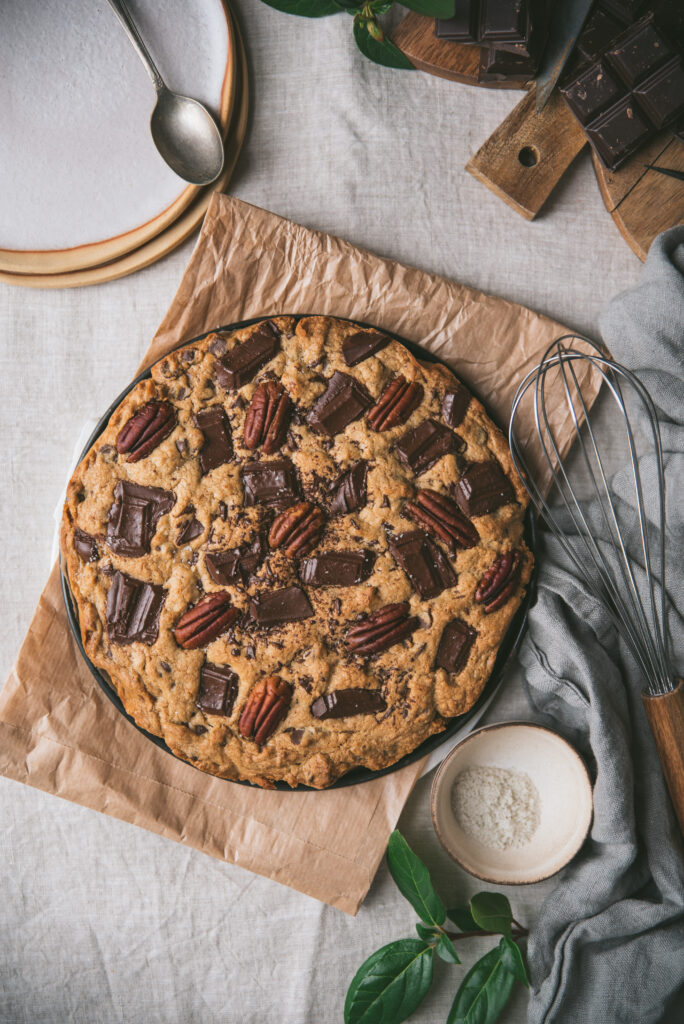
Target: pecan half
{"x":395,"y":404}
{"x":268,"y":417}
{"x":201,"y":624}
{"x":442,"y":517}
{"x":145,"y":430}
{"x":382,"y":629}
{"x":499,"y":581}
{"x":297,"y":529}
{"x":265,"y":708}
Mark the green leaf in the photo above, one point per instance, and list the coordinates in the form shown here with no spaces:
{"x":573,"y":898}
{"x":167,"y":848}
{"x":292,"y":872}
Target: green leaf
{"x":413,"y":880}
{"x":391,"y":984}
{"x":513,"y":960}
{"x":463,"y":919}
{"x":446,"y":950}
{"x":306,"y":8}
{"x":483,"y":993}
{"x":427,"y":932}
{"x":492,"y":911}
{"x":433,"y":8}
{"x":381,"y":51}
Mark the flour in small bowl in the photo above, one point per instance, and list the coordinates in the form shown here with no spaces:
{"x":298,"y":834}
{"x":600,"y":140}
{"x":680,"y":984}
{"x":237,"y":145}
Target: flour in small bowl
{"x":497,"y":806}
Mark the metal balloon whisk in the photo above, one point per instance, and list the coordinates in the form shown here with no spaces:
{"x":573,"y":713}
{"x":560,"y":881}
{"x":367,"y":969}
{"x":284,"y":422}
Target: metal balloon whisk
{"x":636,"y":608}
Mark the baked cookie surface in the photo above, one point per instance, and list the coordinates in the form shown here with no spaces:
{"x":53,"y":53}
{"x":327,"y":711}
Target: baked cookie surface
{"x":295,"y":550}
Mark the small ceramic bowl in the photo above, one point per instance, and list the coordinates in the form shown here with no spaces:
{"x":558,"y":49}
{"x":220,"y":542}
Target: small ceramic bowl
{"x":566,"y":803}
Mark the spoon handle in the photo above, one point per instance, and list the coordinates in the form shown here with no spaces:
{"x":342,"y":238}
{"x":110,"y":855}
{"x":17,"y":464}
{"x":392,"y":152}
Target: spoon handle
{"x":122,"y":12}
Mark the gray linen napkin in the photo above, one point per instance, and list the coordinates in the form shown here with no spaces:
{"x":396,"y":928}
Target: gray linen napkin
{"x":609,"y":942}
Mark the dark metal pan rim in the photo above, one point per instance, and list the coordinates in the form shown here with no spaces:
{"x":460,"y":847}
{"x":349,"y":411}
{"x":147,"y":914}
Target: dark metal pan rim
{"x":508,"y":647}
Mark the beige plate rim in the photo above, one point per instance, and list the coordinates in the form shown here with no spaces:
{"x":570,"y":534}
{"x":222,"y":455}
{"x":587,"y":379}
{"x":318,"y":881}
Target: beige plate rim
{"x":57,"y":261}
{"x":436,"y":782}
{"x":177,"y":232}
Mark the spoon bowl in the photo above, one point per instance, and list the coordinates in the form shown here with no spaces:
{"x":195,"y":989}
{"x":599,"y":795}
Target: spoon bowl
{"x":187,"y":137}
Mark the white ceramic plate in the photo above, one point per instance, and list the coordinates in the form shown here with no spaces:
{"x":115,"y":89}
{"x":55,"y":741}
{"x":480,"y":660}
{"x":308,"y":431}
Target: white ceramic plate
{"x":80,"y":178}
{"x":566,"y":803}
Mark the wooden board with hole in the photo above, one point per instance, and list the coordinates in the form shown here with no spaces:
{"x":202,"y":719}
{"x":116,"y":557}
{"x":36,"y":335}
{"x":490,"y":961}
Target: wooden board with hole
{"x":415,"y":36}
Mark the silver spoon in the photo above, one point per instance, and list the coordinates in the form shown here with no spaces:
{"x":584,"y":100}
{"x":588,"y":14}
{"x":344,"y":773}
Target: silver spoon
{"x":183,"y":130}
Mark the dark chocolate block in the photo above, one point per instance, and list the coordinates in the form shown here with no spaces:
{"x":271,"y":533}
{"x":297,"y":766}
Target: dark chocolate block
{"x":271,"y":483}
{"x":661,"y":95}
{"x":133,"y":610}
{"x":336,"y":568}
{"x":218,"y":440}
{"x":591,"y":92}
{"x":353,"y":701}
{"x":276,"y":607}
{"x":599,"y":31}
{"x":427,"y":567}
{"x":619,"y":132}
{"x":133,"y":517}
{"x":502,"y":66}
{"x":519,"y":26}
{"x":218,"y":689}
{"x":454,"y":646}
{"x":638,"y":52}
{"x":243,"y":361}
{"x":344,"y":400}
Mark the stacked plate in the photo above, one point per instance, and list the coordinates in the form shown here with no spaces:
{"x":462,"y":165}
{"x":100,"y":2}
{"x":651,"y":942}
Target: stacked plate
{"x":85,"y":196}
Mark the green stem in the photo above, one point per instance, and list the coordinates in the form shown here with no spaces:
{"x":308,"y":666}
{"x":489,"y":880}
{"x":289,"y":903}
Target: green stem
{"x":520,"y":933}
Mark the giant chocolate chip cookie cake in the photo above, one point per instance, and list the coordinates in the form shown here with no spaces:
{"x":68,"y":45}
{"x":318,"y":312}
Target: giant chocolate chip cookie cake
{"x":296,"y":550}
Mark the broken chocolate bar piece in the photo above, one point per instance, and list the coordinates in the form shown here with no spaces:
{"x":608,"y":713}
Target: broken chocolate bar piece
{"x":242,"y":362}
{"x":591,"y":92}
{"x":638,"y":52}
{"x":618,"y":132}
{"x":455,"y":405}
{"x":133,"y":517}
{"x":271,"y":483}
{"x":336,"y":568}
{"x":661,"y":95}
{"x":348,"y":492}
{"x":85,"y":546}
{"x":361,"y":345}
{"x":223,"y":566}
{"x":133,"y":610}
{"x":454,"y":646}
{"x":422,"y":446}
{"x":520,"y":26}
{"x":344,"y":400}
{"x":483,"y":488}
{"x":192,"y":529}
{"x":276,"y":607}
{"x":343,"y":703}
{"x":218,"y":442}
{"x":217,"y":690}
{"x":427,"y":567}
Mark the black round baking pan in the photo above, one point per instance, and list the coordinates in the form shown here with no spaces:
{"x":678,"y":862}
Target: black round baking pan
{"x":507,"y":649}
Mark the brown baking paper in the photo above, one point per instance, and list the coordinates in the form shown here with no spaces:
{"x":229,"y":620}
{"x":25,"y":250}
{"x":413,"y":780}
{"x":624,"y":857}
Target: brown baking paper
{"x":58,"y":732}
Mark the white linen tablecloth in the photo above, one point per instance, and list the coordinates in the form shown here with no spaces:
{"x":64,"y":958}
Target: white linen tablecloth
{"x":103,"y":922}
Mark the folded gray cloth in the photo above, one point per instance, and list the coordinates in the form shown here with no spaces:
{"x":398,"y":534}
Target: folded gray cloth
{"x":609,"y":942}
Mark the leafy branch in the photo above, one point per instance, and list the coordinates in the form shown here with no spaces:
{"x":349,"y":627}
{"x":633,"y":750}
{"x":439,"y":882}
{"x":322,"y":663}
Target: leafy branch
{"x":369,"y":34}
{"x":394,"y":980}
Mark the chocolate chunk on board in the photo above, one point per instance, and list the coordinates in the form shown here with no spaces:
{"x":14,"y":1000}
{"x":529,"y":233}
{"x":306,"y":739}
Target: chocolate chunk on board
{"x":455,"y":405}
{"x":343,"y":401}
{"x":217,"y":690}
{"x":218,"y":441}
{"x":455,"y":645}
{"x":361,"y":345}
{"x":343,"y":703}
{"x":427,"y":567}
{"x":133,"y":610}
{"x":482,"y":488}
{"x":238,"y":366}
{"x":133,"y":517}
{"x":423,"y":445}
{"x":336,"y":568}
{"x":85,"y":546}
{"x":271,"y":483}
{"x":349,"y":492}
{"x":520,"y":26}
{"x":276,"y":607}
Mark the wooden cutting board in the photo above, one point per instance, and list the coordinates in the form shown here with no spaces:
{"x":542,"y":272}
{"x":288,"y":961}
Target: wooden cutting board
{"x":526,"y":156}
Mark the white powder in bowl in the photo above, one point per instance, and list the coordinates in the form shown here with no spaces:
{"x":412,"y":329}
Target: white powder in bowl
{"x":497,"y":806}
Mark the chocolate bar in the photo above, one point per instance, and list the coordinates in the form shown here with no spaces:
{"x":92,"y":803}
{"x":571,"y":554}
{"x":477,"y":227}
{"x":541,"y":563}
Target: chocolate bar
{"x":633,"y":90}
{"x":519,"y":27}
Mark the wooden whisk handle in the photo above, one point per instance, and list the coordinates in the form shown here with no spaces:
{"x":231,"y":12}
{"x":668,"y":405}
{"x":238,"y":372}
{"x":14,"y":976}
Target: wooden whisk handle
{"x":665,"y":714}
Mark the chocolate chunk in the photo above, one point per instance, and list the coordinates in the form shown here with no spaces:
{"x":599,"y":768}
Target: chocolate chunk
{"x":344,"y":400}
{"x":242,"y":362}
{"x":133,"y":517}
{"x":423,"y":445}
{"x":638,"y":52}
{"x":217,"y":689}
{"x":223,"y":566}
{"x":133,"y":610}
{"x":483,"y":488}
{"x":425,"y":564}
{"x":336,"y":568}
{"x":661,"y":95}
{"x":85,"y":546}
{"x":598,"y":31}
{"x":349,"y":490}
{"x":344,"y":703}
{"x":361,"y":345}
{"x":276,"y":607}
{"x":271,"y":483}
{"x":520,"y":26}
{"x":222,"y":510}
{"x":455,"y":405}
{"x":454,"y":646}
{"x":192,"y":529}
{"x":591,"y":92}
{"x":218,"y":442}
{"x":295,"y":735}
{"x":618,"y":133}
